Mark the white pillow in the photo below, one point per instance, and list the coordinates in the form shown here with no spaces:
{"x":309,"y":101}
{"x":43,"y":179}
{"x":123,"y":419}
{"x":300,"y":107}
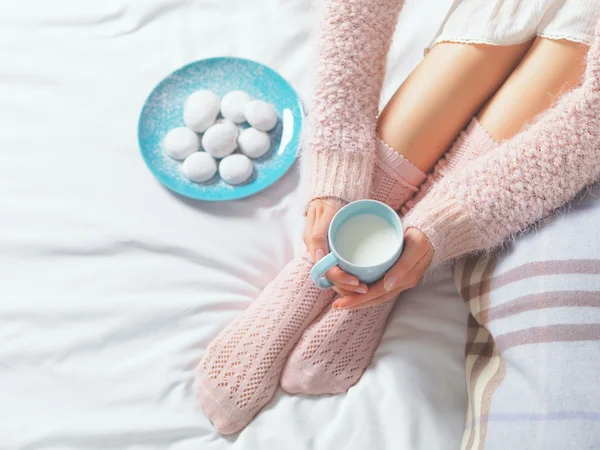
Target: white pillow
{"x":533,"y":343}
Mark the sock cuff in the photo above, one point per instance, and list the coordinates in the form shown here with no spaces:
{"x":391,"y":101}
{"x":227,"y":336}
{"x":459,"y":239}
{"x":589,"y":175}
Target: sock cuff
{"x":477,"y":133}
{"x":397,"y":166}
{"x":471,"y":144}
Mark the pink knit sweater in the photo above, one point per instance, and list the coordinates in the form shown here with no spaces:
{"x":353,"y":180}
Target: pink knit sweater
{"x":522,"y":181}
{"x":478,"y":207}
{"x":353,"y":42}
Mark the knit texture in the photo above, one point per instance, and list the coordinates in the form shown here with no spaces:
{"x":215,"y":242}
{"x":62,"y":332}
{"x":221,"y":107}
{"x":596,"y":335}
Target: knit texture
{"x":395,"y":178}
{"x":353,"y":42}
{"x":241,"y":367}
{"x":469,"y":146}
{"x":336,"y":349}
{"x":530,"y":175}
{"x":240,"y":370}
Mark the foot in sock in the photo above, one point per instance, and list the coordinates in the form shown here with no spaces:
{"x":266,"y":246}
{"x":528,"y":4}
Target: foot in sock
{"x":240,"y":370}
{"x":336,"y":349}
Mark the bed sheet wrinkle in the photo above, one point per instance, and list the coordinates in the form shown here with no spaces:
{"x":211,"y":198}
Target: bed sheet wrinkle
{"x":111,"y":287}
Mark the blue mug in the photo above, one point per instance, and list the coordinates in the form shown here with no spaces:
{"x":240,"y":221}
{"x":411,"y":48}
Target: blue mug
{"x":366,"y":274}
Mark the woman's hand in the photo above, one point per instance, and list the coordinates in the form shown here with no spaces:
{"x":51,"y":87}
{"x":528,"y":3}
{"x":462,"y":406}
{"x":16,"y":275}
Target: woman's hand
{"x":318,"y":217}
{"x":405,"y":274}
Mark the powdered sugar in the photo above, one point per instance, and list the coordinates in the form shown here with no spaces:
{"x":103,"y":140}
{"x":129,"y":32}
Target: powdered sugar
{"x":181,"y":142}
{"x":254,"y":143}
{"x":261,"y":115}
{"x":235,"y":169}
{"x":199,"y":167}
{"x":233,"y":104}
{"x":201,"y":110}
{"x":220,"y":140}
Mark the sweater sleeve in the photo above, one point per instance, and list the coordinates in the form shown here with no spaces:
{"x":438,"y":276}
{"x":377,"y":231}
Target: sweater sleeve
{"x":353,"y":41}
{"x":522,"y":181}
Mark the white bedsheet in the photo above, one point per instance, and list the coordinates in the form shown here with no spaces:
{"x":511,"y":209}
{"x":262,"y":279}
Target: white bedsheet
{"x":111,"y":287}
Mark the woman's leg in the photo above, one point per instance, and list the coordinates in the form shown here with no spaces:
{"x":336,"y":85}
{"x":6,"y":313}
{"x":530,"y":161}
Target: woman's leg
{"x":441,"y":96}
{"x":240,"y":369}
{"x":550,"y":68}
{"x":414,"y":129}
{"x":339,"y":345}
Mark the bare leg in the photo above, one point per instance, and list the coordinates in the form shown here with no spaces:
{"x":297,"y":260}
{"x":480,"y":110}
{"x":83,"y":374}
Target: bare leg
{"x":549,"y":68}
{"x":441,"y":96}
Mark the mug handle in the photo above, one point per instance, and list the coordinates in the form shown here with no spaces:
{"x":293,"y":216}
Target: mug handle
{"x":320,"y":268}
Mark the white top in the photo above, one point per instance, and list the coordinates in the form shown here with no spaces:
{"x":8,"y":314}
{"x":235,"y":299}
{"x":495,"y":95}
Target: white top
{"x":510,"y":22}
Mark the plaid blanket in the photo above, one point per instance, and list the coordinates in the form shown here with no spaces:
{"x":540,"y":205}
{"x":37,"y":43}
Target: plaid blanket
{"x":533,"y":340}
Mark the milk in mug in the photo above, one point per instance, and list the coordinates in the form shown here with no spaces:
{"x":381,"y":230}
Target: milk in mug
{"x":366,"y":240}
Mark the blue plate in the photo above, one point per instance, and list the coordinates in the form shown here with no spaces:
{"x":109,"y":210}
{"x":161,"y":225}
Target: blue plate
{"x":163,"y":111}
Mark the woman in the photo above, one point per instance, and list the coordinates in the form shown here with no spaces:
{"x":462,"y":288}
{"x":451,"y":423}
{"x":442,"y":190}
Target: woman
{"x":493,"y":67}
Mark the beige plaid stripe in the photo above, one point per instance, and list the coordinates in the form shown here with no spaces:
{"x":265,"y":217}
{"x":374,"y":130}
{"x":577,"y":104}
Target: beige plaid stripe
{"x":485,"y":368}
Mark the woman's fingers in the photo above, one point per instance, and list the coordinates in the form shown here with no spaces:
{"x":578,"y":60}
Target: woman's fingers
{"x":352,"y":290}
{"x":406,"y":273}
{"x":375,"y":290}
{"x":308,"y":226}
{"x":416,"y":274}
{"x":410,"y":280}
{"x":318,"y":245}
{"x":346,"y":282}
{"x":415,"y":247}
{"x":342,"y":292}
{"x":318,"y":218}
{"x":339,"y":277}
{"x":390,"y":282}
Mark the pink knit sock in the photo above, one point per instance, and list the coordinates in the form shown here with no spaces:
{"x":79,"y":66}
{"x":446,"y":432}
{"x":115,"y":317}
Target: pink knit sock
{"x":241,"y":367}
{"x":470,"y":145}
{"x":240,"y":370}
{"x":395,"y":178}
{"x":335,"y":350}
